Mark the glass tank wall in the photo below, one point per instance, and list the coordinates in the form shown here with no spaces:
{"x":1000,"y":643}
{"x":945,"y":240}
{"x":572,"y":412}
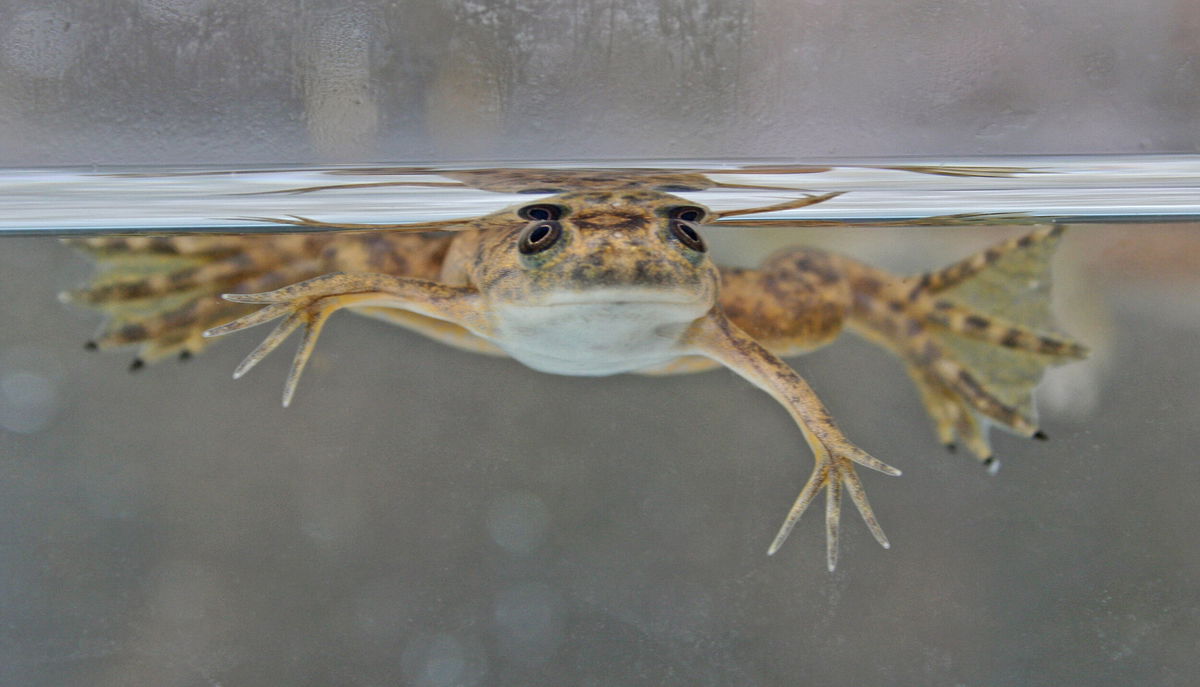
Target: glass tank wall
{"x":426,"y":516}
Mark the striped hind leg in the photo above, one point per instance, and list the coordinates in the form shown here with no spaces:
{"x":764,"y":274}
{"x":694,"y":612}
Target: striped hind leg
{"x":972,"y":367}
{"x":963,"y":270}
{"x":954,"y":396}
{"x":161,"y":293}
{"x":954,"y":420}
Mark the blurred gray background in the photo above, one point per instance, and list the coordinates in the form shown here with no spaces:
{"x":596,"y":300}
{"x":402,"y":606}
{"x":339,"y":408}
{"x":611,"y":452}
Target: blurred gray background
{"x":201,"y":81}
{"x":422,"y":516}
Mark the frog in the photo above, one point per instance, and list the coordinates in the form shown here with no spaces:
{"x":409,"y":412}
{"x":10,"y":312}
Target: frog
{"x":600,"y":278}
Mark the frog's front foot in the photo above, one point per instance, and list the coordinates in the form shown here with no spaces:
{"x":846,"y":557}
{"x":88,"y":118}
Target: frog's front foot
{"x":833,"y":472}
{"x":718,"y":338}
{"x":307,"y":304}
{"x":310,"y":303}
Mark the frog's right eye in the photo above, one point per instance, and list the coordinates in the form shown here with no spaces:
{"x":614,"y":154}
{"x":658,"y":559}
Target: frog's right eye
{"x":687,"y":213}
{"x":541,"y":211}
{"x":539,"y":236}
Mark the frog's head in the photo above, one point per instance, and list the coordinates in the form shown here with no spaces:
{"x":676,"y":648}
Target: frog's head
{"x":600,"y":248}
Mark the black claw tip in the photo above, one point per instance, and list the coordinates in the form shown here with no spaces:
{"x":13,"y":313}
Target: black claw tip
{"x":989,"y":461}
{"x":951,"y":447}
{"x":91,"y":346}
{"x":185,"y":355}
{"x":1040,"y":436}
{"x":137,"y":364}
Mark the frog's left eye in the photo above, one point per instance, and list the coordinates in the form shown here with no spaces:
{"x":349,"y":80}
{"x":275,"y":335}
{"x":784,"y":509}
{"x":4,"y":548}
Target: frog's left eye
{"x":685,"y":232}
{"x":687,"y":213}
{"x":540,"y":212}
{"x":539,"y":236}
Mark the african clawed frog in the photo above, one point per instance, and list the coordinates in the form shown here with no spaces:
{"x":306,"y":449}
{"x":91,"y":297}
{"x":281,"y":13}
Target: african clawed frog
{"x":598,"y":282}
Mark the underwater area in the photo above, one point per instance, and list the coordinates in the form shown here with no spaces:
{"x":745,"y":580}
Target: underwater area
{"x":422,"y":515}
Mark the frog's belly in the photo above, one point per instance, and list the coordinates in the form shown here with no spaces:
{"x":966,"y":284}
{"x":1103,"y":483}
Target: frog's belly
{"x":595,"y":338}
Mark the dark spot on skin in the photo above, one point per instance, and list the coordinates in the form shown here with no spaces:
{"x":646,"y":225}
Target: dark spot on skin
{"x":868,"y":285}
{"x":772,"y":286}
{"x":816,"y":266}
{"x":1012,"y":338}
{"x":895,"y":306}
{"x":677,"y":188}
{"x":583,"y":273}
{"x":1050,"y":345}
{"x":611,"y":221}
{"x":181,"y":317}
{"x":930,"y":352}
{"x":976,"y":322}
{"x":132,"y":332}
{"x":968,"y":380}
{"x":913,"y":327}
{"x":921,"y":286}
{"x":182,"y":277}
{"x":943,"y":305}
{"x":240,"y":260}
{"x":641,"y":271}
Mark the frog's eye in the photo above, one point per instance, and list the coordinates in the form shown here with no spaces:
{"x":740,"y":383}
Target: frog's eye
{"x":539,"y":236}
{"x":685,"y":232}
{"x":541,"y":211}
{"x":687,"y":213}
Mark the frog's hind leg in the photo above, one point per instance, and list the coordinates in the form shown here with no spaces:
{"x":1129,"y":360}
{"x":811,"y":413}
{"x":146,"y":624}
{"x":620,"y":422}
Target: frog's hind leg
{"x":976,"y":336}
{"x":160,"y":293}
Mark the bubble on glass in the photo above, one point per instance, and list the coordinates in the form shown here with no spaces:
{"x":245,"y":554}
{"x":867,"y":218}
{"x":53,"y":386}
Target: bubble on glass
{"x":29,"y":390}
{"x":442,"y":660}
{"x":332,"y":516}
{"x":517,"y":522}
{"x":39,"y":44}
{"x":530,"y":623}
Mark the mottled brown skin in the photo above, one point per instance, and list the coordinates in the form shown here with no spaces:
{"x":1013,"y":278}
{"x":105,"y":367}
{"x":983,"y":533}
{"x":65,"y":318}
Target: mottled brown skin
{"x":463,"y":284}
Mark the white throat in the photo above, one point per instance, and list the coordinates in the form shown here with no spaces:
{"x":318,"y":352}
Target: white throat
{"x":596,"y":333}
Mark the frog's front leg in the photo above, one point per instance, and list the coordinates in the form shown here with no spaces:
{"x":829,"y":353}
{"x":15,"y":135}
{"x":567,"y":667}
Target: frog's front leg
{"x":310,"y":303}
{"x":716,"y":337}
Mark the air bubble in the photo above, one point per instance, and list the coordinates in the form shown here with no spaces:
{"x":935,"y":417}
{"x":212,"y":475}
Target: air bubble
{"x":517,"y":522}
